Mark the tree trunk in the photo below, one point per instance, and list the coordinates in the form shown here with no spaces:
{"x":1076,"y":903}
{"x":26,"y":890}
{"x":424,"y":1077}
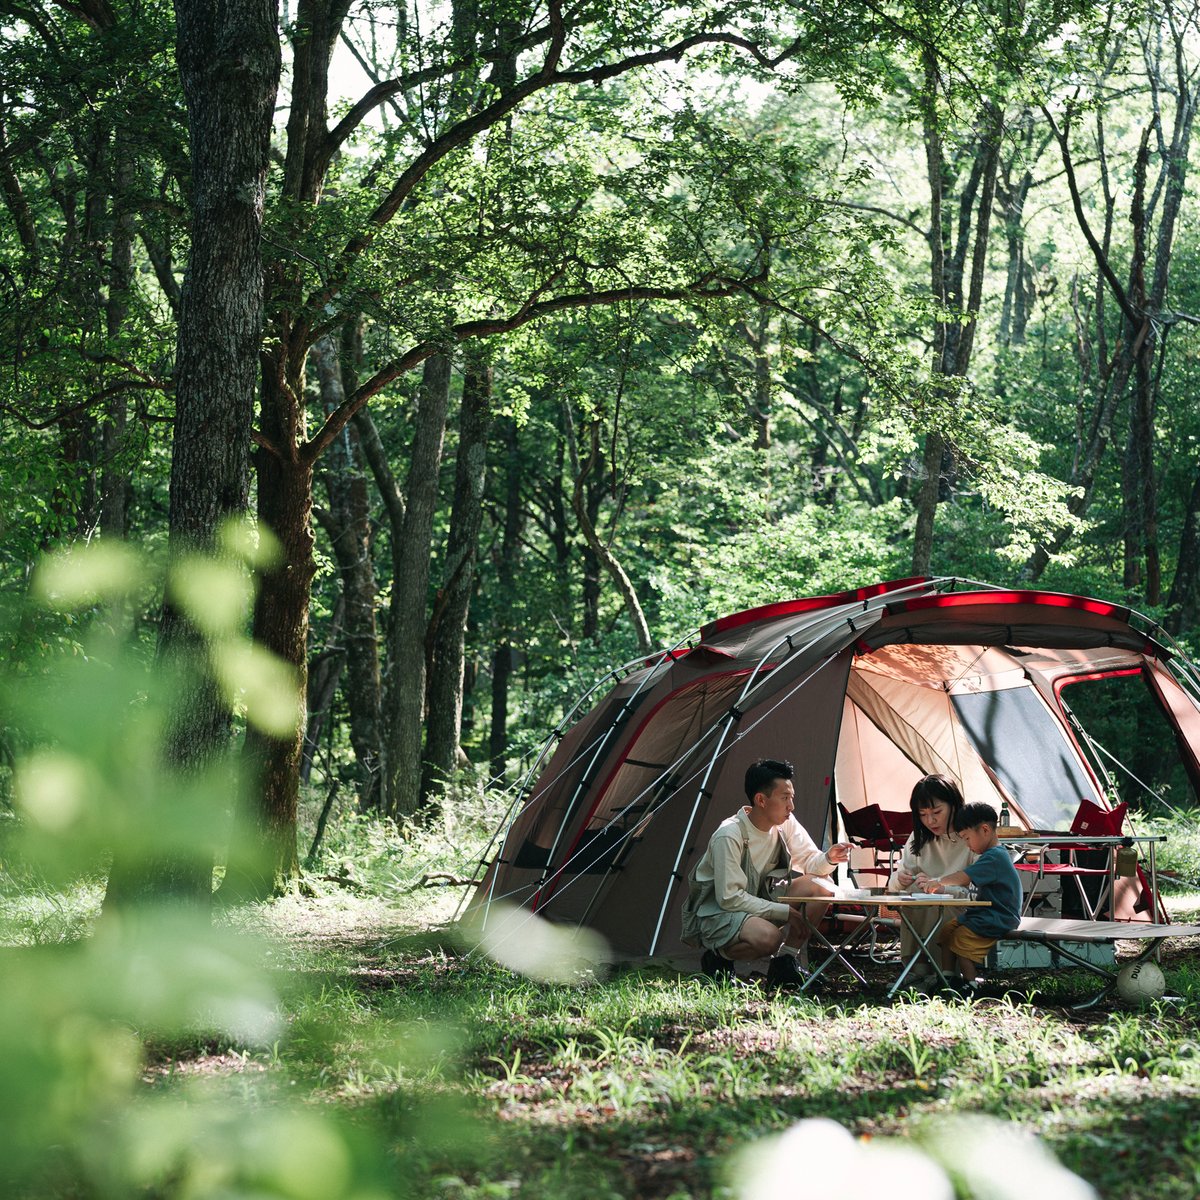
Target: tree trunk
{"x":1183,"y":602}
{"x":114,"y":477}
{"x":927,"y":494}
{"x":350,"y":535}
{"x":281,"y":626}
{"x":956,"y":281}
{"x":445,"y":691}
{"x":404,"y":694}
{"x":507,"y":570}
{"x":586,"y":508}
{"x":927,"y":498}
{"x":324,"y":675}
{"x":229,"y":63}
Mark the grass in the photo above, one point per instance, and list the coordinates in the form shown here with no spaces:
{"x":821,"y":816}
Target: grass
{"x":474,"y":1082}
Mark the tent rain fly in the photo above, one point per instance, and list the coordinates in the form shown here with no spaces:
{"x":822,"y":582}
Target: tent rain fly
{"x":864,"y":692}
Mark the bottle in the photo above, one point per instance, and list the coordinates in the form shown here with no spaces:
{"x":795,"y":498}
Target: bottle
{"x":1005,"y":819}
{"x":1127,"y":859}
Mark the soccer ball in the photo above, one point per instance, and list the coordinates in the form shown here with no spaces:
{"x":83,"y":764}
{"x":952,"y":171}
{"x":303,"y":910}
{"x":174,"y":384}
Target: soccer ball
{"x":1140,"y":981}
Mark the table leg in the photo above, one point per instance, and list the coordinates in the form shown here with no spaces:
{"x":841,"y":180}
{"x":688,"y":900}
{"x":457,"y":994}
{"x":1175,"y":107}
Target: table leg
{"x":1155,"y":914}
{"x":1150,"y":949}
{"x":838,"y":951}
{"x":922,"y":950}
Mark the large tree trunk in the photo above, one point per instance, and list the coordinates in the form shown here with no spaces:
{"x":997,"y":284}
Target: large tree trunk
{"x":445,"y":690}
{"x":404,"y":694}
{"x":229,"y":62}
{"x":281,"y":626}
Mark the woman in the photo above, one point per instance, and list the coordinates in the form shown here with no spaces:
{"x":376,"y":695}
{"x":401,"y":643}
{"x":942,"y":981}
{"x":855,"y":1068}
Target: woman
{"x":933,"y":849}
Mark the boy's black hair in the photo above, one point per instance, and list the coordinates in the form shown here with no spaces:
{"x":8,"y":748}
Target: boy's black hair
{"x":927,"y":792}
{"x":761,"y":775}
{"x":971,"y":816}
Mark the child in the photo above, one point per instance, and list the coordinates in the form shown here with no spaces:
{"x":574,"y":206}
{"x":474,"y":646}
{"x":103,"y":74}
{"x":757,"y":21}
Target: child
{"x":972,"y":935}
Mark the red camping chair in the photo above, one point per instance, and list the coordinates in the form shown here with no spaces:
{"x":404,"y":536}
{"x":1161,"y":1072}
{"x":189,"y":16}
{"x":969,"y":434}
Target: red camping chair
{"x":880,"y":831}
{"x":1090,"y":819}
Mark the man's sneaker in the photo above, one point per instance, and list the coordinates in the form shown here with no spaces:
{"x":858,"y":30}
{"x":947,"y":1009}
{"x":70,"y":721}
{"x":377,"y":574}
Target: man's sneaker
{"x":784,"y":971}
{"x":717,"y":966}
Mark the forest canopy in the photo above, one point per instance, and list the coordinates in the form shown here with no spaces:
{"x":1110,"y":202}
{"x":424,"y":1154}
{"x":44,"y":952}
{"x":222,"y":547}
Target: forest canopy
{"x":532,"y":336}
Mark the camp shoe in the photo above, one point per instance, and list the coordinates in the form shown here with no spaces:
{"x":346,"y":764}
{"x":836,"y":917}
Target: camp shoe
{"x":785,"y":971}
{"x":967,"y":989}
{"x":717,"y":966}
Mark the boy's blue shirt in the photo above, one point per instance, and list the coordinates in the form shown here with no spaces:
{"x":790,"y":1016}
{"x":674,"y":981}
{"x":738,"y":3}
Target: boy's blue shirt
{"x":996,"y":879}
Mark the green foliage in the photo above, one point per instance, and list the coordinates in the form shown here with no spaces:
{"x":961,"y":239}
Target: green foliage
{"x":1179,"y":856}
{"x":78,"y":1013}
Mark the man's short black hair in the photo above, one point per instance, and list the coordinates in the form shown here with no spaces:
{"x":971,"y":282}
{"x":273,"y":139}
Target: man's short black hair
{"x":761,"y":775}
{"x":971,"y":816}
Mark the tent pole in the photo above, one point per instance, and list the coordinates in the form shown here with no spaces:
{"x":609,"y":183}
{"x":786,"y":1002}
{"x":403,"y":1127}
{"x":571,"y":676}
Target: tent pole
{"x":757,"y":676}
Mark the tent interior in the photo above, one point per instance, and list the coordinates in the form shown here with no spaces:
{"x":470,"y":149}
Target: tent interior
{"x":995,"y":720}
{"x":980,"y":714}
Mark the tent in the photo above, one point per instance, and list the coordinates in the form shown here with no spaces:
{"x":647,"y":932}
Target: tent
{"x":864,"y":691}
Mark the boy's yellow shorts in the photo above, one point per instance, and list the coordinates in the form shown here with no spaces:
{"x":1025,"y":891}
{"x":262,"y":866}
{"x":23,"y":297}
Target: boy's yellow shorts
{"x":964,"y":942}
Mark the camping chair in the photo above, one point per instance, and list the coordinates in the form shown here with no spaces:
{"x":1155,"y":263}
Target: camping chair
{"x":1090,"y":819}
{"x":882,"y":832}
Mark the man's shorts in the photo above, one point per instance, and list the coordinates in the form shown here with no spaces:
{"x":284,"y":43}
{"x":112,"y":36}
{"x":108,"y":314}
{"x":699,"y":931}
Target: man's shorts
{"x":964,"y":942}
{"x":718,"y":931}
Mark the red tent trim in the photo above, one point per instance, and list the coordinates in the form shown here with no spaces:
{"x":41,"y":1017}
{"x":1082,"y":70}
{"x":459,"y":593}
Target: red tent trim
{"x":787,"y":608}
{"x":1047,"y":599}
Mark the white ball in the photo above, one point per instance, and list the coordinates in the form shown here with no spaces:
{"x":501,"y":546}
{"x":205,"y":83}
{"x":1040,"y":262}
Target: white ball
{"x":1140,"y":981}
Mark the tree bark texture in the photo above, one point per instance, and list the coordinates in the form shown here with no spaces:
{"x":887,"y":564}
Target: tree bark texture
{"x":507,"y":570}
{"x":324,"y":675}
{"x":229,"y":64}
{"x":349,"y":528}
{"x":281,"y":626}
{"x":404,"y":688}
{"x":453,"y":601}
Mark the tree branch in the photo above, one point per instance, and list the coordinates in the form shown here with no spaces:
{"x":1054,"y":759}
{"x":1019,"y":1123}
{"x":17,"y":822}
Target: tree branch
{"x":1077,"y":203}
{"x":706,"y":288}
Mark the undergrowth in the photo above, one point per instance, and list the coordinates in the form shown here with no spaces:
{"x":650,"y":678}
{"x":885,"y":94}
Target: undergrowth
{"x":470,"y":1082}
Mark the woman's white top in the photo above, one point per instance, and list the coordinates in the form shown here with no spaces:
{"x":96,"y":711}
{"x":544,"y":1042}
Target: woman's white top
{"x":939,"y":856}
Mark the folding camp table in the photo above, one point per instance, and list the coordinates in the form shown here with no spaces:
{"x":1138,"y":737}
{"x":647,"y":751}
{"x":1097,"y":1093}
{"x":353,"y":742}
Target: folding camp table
{"x":1066,"y":845}
{"x":925,"y":945}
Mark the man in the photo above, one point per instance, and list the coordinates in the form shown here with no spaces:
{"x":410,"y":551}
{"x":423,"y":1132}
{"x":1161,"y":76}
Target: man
{"x":729,"y":910}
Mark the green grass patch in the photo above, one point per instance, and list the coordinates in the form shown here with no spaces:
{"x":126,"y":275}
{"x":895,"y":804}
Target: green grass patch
{"x":392,"y":1062}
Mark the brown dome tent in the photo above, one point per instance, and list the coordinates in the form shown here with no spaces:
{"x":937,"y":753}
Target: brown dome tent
{"x":864,"y":691}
